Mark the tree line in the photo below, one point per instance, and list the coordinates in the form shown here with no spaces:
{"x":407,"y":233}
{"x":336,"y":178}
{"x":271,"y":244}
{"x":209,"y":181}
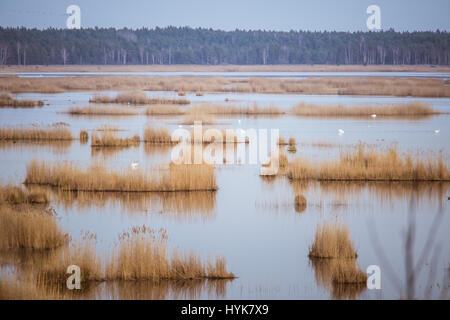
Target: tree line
{"x":184,"y":45}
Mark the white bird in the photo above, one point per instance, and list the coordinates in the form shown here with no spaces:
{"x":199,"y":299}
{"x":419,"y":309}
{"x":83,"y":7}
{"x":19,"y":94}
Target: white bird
{"x":340,"y":132}
{"x":374,"y":115}
{"x":134,"y":165}
{"x":437,"y":131}
{"x":239,"y":121}
{"x":180,"y":126}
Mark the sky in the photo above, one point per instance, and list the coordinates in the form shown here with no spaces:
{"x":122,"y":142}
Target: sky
{"x":280,"y":15}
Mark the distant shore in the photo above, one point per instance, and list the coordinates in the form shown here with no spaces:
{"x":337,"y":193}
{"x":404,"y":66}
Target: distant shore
{"x":225,"y":68}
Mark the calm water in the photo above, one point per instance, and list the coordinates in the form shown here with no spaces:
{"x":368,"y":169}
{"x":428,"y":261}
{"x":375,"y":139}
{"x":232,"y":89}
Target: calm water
{"x":296,"y":75}
{"x":252,"y":221}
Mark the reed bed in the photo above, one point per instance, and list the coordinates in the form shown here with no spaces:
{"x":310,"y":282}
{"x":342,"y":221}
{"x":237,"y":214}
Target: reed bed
{"x":255,"y":109}
{"x":370,"y":164}
{"x":403,"y":109}
{"x":157,"y":136}
{"x":16,"y":195}
{"x":136,"y":97}
{"x":107,"y":111}
{"x":67,"y":176}
{"x":390,"y":86}
{"x":143,"y":255}
{"x":6,"y":100}
{"x":58,"y":133}
{"x":110,"y":139}
{"x":26,"y":227}
{"x":164,"y":110}
{"x":332,"y":240}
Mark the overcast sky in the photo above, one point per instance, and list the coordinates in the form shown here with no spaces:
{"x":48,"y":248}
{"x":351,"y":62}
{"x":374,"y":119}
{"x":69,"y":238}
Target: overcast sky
{"x":340,"y":15}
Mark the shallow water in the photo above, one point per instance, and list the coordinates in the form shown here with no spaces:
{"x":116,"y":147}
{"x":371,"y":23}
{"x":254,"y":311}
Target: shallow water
{"x":251,"y":221}
{"x":294,"y":75}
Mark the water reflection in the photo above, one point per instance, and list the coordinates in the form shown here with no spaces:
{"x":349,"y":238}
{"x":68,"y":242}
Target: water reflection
{"x":179,"y":205}
{"x":323,"y":273}
{"x":55,"y":147}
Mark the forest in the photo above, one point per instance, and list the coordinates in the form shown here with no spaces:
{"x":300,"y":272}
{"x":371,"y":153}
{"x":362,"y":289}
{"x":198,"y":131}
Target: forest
{"x":184,"y":45}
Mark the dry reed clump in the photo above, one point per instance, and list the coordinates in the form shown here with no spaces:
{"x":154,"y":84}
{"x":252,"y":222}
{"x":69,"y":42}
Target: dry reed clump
{"x":109,"y":139}
{"x":142,"y":254}
{"x":35,"y":134}
{"x":157,"y":136}
{"x":6,"y":100}
{"x":107,"y":111}
{"x":67,"y":176}
{"x":332,"y":241}
{"x":84,"y":136}
{"x":135,"y":97}
{"x":167,"y":109}
{"x":402,"y":109}
{"x":365,"y":164}
{"x":300,"y":203}
{"x":82,"y":254}
{"x":16,"y":195}
{"x":29,"y":228}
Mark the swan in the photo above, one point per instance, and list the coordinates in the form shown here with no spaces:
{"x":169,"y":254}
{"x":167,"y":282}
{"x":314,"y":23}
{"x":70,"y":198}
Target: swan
{"x":437,"y":131}
{"x":374,"y":115}
{"x":340,"y":132}
{"x":134,"y":165}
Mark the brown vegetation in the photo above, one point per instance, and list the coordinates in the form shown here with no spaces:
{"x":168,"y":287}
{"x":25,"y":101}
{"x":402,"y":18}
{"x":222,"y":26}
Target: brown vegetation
{"x":67,"y":176}
{"x":404,"y":109}
{"x":16,"y":195}
{"x":29,"y":228}
{"x":391,"y":86}
{"x":332,"y":241}
{"x":110,"y":139}
{"x":6,"y":100}
{"x":157,"y":136}
{"x":84,"y":136}
{"x":136,"y":97}
{"x":300,"y":203}
{"x":35,"y":133}
{"x":366,"y":164}
{"x":107,"y":111}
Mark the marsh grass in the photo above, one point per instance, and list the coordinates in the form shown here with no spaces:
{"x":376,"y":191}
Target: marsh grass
{"x":25,"y":227}
{"x":50,"y":133}
{"x":16,"y":195}
{"x":397,"y":110}
{"x":110,"y":139}
{"x":137,"y":98}
{"x":141,"y":254}
{"x":164,"y":109}
{"x":215,"y":109}
{"x":97,"y":110}
{"x":332,"y":240}
{"x":370,"y":164}
{"x":6,"y":100}
{"x":70,"y":177}
{"x":157,"y":136}
{"x":418,"y":87}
